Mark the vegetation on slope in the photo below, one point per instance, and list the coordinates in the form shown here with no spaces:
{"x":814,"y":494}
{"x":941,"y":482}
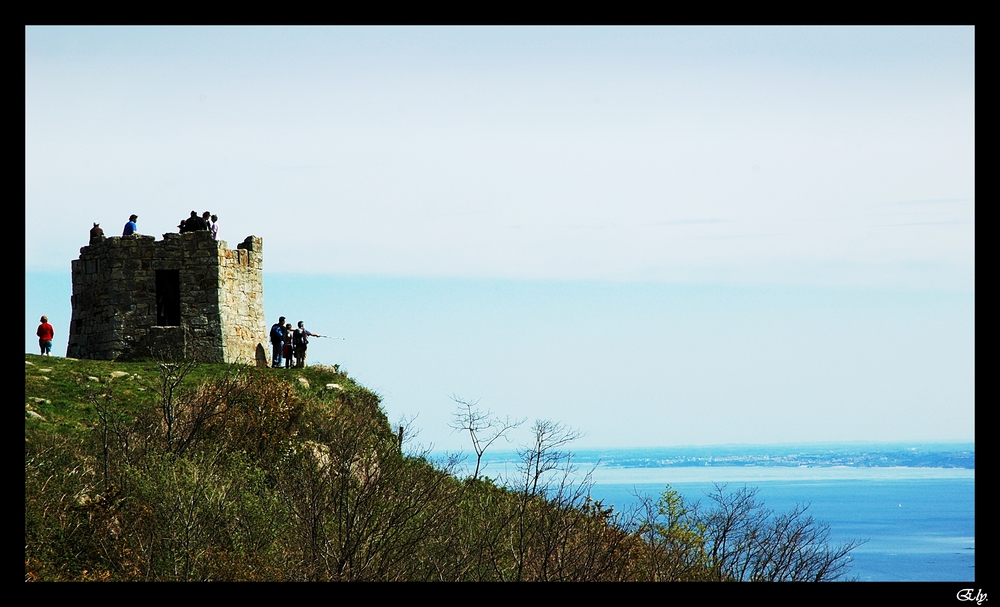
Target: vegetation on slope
{"x":182,"y":471}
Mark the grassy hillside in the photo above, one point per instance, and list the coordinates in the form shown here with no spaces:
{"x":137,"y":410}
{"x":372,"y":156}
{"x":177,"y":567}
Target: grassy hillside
{"x":59,"y":391}
{"x":187,"y":472}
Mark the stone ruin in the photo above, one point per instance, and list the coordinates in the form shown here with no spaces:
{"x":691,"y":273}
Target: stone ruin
{"x":186,"y":297}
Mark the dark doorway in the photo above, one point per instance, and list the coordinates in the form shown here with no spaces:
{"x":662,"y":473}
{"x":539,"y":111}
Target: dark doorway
{"x":168,"y":298}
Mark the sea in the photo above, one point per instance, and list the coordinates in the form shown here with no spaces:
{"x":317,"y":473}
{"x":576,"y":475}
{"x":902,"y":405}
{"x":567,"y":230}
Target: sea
{"x":912,"y":505}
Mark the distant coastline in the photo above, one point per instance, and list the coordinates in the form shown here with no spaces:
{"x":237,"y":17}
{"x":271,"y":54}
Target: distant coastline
{"x":883,"y":456}
{"x":927,"y":455}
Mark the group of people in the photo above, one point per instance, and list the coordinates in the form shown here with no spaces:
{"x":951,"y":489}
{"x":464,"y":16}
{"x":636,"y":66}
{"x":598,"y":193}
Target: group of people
{"x":287,"y":344}
{"x":207,"y":221}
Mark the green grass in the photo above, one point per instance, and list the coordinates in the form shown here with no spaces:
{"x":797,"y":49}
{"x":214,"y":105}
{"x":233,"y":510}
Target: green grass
{"x":61,"y":390}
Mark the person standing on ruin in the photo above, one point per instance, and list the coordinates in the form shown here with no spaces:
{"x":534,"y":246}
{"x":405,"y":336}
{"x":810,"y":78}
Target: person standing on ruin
{"x":215,"y":227}
{"x":45,"y":334}
{"x":96,"y":233}
{"x":277,"y":341}
{"x":205,"y":218}
{"x":131,"y":227}
{"x":300,"y":341}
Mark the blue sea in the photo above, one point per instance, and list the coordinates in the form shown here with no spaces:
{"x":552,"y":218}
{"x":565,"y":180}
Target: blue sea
{"x":919,"y":521}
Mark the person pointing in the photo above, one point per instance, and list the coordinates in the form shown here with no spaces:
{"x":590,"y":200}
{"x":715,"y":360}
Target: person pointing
{"x":300,"y":341}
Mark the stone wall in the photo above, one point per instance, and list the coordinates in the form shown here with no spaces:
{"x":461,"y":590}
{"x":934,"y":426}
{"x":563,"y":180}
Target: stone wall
{"x":241,"y":300}
{"x":219,"y":295}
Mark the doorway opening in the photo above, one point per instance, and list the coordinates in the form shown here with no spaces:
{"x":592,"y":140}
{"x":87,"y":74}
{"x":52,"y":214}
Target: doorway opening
{"x":168,"y":298}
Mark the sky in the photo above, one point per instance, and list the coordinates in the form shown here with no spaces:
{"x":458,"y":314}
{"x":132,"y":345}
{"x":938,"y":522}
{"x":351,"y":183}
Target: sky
{"x":658,"y":236}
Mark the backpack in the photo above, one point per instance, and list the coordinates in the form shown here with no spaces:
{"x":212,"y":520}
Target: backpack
{"x":275,"y":334}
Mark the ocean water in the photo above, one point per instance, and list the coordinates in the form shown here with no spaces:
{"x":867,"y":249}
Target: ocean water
{"x":917,"y":529}
{"x":919,"y":523}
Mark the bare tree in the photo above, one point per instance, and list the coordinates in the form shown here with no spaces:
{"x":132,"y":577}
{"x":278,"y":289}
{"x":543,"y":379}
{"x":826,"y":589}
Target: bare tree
{"x":544,"y":454}
{"x":406,"y":435}
{"x":749,"y":542}
{"x":483,"y":426}
{"x":538,"y":530}
{"x":172,"y":400}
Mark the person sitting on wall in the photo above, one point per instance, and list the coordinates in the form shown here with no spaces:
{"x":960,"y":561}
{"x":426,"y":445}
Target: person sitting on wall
{"x":131,"y":227}
{"x":96,"y":233}
{"x":277,"y":340}
{"x":300,"y":340}
{"x":45,"y":334}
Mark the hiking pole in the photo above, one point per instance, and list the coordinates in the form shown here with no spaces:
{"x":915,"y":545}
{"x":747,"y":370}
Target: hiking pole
{"x":330,"y":337}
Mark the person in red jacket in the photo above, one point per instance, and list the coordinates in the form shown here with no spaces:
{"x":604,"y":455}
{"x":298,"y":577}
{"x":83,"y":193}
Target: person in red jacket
{"x":45,"y":334}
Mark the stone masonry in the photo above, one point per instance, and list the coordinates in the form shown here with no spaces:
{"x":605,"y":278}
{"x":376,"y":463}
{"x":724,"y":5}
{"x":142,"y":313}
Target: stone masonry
{"x":184,"y":297}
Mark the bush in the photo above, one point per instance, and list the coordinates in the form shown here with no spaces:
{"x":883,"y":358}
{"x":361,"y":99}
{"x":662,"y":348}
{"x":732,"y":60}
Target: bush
{"x":241,"y":475}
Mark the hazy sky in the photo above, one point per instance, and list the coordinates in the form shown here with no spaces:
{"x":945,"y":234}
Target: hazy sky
{"x":657,"y":235}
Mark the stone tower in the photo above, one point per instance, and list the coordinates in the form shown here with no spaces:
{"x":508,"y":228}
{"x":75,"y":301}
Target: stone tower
{"x":184,"y":297}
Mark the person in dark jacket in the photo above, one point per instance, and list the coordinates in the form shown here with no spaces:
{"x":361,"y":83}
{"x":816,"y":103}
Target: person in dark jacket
{"x":287,"y":349}
{"x":300,"y":341}
{"x":194,"y":223}
{"x":277,"y":337}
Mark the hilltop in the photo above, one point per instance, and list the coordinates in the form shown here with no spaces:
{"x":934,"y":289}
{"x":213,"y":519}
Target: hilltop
{"x":199,"y":472}
{"x":59,"y":391}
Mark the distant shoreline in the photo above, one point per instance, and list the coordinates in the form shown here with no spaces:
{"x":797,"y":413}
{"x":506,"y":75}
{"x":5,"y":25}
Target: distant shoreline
{"x":760,"y":474}
{"x":854,"y":455}
{"x":757,"y":463}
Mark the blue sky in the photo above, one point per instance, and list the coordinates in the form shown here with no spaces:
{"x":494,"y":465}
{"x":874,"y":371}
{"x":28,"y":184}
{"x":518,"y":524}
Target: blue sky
{"x":656,"y":235}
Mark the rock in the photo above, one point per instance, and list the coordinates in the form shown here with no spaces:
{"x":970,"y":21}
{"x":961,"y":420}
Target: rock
{"x":304,"y":382}
{"x":116,"y":374}
{"x":333,"y":387}
{"x":31,"y":413}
